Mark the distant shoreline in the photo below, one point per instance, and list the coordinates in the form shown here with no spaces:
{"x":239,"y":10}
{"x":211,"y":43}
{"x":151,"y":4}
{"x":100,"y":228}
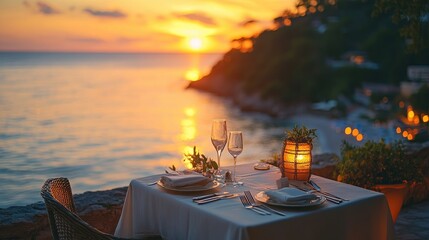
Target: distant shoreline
{"x":329,"y":137}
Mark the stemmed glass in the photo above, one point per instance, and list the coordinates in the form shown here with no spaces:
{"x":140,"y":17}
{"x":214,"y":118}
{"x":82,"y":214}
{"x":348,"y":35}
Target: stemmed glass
{"x":235,"y":147}
{"x":219,"y":139}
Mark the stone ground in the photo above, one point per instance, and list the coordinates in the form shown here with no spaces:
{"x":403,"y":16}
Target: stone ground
{"x":413,"y":222}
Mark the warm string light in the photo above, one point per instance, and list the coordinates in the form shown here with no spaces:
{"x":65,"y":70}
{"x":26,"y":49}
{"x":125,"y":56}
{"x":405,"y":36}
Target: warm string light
{"x":348,"y":130}
{"x":398,"y":130}
{"x":414,"y":121}
{"x":355,"y":133}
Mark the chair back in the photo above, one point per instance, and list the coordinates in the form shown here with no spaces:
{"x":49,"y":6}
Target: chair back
{"x":60,"y":190}
{"x":65,"y":224}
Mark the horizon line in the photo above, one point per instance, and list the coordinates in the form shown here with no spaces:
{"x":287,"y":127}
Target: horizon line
{"x":106,"y":52}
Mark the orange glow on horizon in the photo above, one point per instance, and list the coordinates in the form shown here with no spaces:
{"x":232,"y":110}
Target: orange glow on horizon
{"x":195,"y":43}
{"x":131,"y":26}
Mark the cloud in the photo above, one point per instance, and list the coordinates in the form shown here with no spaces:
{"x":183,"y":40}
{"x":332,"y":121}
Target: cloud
{"x":105,"y":14}
{"x":86,"y":40}
{"x":248,"y":23}
{"x":45,"y":8}
{"x":130,"y":40}
{"x":197,"y":17}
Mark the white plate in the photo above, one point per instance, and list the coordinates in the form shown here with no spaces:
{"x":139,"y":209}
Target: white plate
{"x":208,"y":186}
{"x":262,"y":197}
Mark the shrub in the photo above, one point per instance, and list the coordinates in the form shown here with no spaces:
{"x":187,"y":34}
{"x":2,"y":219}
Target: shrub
{"x":377,"y":163}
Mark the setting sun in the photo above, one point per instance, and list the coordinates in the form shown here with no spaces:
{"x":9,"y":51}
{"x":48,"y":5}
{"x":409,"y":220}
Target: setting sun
{"x":196,"y":43}
{"x":90,"y":26}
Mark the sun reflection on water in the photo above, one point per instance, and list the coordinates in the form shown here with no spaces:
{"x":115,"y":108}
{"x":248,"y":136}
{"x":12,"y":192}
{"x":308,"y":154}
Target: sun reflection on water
{"x":192,"y":74}
{"x":102,"y":125}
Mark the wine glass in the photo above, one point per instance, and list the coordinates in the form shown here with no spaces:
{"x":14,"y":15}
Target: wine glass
{"x":235,"y":147}
{"x":219,"y":139}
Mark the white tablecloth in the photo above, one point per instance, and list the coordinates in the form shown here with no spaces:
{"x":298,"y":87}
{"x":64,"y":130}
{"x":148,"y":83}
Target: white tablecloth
{"x":151,"y":209}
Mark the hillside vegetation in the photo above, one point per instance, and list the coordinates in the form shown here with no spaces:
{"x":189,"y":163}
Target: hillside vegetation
{"x":310,"y":58}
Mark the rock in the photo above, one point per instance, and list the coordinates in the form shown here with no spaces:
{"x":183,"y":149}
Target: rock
{"x":324,"y":165}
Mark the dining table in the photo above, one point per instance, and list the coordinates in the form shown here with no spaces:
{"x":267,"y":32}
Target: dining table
{"x":154,"y":209}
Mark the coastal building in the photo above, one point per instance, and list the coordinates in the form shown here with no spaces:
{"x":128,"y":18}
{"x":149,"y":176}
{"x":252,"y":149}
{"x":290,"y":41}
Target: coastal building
{"x":417,"y":76}
{"x":364,"y":94}
{"x":353,"y":59}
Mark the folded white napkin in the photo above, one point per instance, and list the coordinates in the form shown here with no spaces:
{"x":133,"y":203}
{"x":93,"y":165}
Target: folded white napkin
{"x":185,"y":180}
{"x":290,"y":196}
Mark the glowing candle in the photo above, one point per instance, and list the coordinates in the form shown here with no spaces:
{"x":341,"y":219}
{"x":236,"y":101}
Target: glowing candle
{"x":297,"y":160}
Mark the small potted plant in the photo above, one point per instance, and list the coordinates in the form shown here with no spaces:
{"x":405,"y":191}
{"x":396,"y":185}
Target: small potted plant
{"x":297,"y":156}
{"x":381,"y":167}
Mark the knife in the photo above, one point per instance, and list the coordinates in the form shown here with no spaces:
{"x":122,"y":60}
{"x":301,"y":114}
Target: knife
{"x":209,"y":196}
{"x":215,"y":198}
{"x":315,"y":185}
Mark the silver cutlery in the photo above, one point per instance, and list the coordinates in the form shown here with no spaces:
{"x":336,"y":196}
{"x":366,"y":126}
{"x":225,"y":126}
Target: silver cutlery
{"x":152,"y":183}
{"x":252,"y":201}
{"x":215,"y":198}
{"x":329,"y":198}
{"x":209,"y":195}
{"x":316,"y":187}
{"x":247,"y":205}
{"x":211,"y":199}
{"x":325,"y":194}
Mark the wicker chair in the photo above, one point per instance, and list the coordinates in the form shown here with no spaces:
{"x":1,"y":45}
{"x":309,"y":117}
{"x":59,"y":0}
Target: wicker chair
{"x":64,"y":222}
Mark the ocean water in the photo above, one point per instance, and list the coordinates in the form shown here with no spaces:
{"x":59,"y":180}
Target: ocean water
{"x":103,"y":119}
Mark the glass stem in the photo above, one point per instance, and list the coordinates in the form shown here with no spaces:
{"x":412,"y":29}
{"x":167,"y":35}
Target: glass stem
{"x":219,"y":152}
{"x":233,"y":173}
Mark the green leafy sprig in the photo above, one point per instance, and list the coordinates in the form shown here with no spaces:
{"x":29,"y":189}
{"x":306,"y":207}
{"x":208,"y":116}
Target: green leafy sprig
{"x":301,"y":134}
{"x":199,"y":161}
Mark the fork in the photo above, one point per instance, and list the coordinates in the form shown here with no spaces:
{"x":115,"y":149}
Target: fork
{"x":325,"y":194}
{"x":314,"y":186}
{"x":247,"y":205}
{"x":261,"y":206}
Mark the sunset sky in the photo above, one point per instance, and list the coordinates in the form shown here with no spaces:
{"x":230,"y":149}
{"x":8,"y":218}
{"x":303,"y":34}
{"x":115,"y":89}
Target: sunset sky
{"x":132,"y":25}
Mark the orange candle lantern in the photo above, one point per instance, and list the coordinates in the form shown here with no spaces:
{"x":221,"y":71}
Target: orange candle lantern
{"x":296,"y":155}
{"x":297,"y":160}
